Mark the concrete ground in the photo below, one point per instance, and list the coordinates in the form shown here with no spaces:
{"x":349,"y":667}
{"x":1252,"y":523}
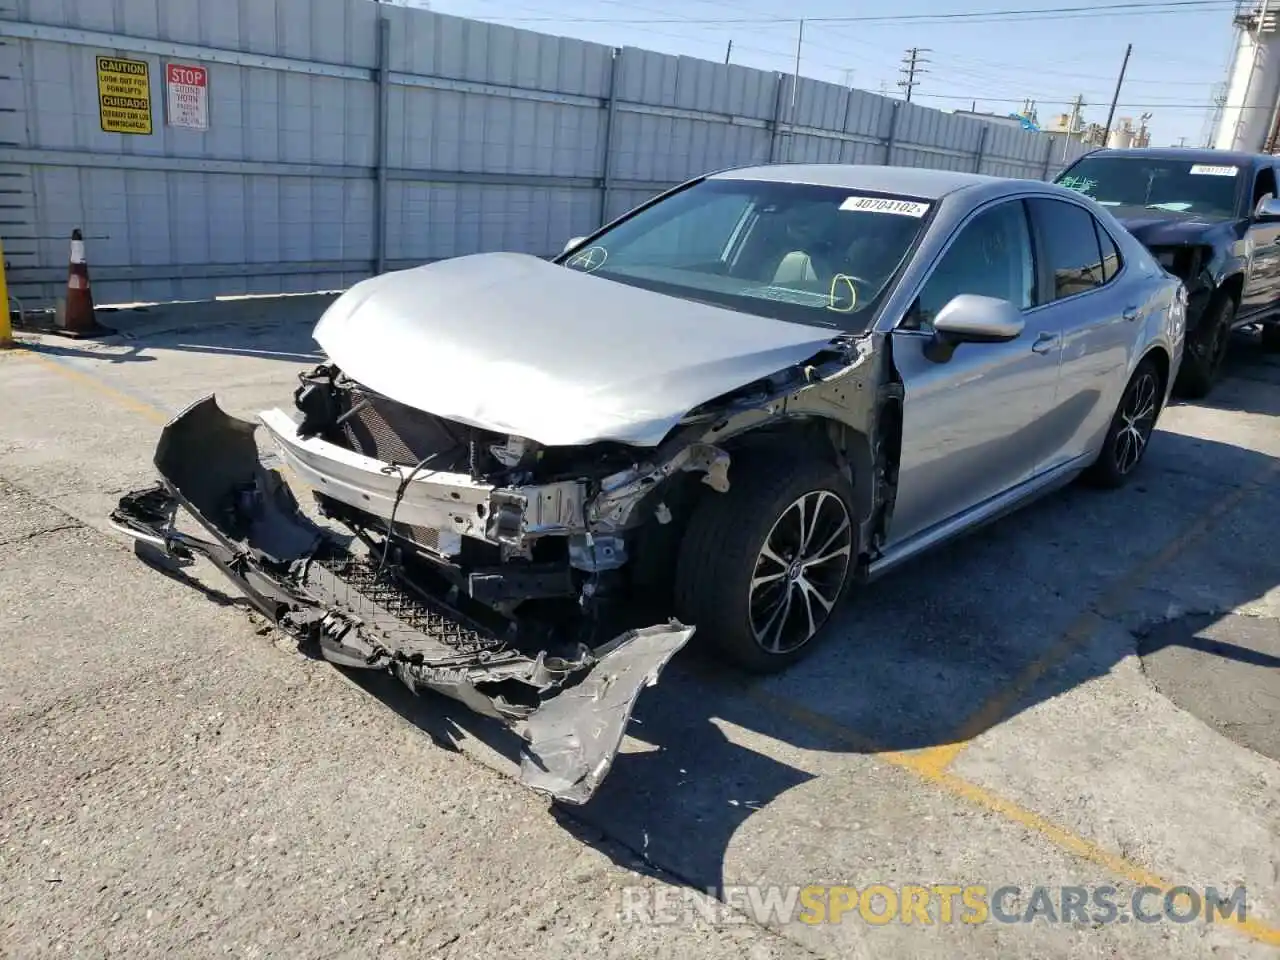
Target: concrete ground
{"x":1085,"y":694}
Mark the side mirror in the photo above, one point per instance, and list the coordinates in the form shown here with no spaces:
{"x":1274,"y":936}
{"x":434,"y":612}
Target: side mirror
{"x":970,"y":318}
{"x":1268,"y":209}
{"x":573,"y":242}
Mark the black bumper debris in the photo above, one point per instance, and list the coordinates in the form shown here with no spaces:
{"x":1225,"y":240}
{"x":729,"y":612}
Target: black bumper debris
{"x":571,"y":707}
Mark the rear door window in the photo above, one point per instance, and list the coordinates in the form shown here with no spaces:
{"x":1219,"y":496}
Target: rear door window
{"x":1110,"y":253}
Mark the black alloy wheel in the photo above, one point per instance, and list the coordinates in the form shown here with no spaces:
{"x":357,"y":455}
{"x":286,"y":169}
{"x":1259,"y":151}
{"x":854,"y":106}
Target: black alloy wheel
{"x":1131,"y":428}
{"x":800,"y":572}
{"x":762,"y":567}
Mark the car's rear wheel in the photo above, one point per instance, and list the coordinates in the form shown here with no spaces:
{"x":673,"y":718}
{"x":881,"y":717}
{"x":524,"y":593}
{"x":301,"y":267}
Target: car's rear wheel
{"x":1271,"y":337}
{"x":1131,"y":427}
{"x":1207,"y":349}
{"x":763,"y":566}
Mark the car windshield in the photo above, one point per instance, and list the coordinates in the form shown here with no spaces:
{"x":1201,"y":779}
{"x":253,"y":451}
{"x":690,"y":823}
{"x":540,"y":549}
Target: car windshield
{"x":794,"y":252}
{"x":1172,"y":186}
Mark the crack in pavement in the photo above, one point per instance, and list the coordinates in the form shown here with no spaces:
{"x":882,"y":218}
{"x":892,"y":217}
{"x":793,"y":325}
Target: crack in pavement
{"x":35,"y":534}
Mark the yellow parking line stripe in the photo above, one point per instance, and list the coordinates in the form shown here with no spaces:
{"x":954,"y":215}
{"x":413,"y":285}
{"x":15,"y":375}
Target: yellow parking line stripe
{"x":925,"y":763}
{"x":921,"y":765}
{"x":148,"y":410}
{"x":153,"y":413}
{"x":1084,"y":627}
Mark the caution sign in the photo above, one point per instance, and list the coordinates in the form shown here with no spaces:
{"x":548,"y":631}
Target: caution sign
{"x":124,"y":95}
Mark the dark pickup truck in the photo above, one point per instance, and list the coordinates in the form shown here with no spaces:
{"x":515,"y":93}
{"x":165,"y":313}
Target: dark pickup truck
{"x":1212,"y":218}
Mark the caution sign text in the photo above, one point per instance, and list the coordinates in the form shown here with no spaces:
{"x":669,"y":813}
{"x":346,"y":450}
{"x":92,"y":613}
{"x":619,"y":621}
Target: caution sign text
{"x":124,"y":95}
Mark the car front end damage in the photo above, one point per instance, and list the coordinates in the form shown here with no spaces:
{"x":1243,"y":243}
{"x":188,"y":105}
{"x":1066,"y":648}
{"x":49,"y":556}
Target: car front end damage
{"x":496,"y":519}
{"x":435,"y":603}
{"x":484,"y":567}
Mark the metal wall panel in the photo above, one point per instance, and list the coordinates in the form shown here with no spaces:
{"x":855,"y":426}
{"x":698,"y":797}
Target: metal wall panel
{"x":493,"y":138}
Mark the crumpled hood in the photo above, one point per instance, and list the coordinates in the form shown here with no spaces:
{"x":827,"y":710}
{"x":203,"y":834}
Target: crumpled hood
{"x":515,"y":344}
{"x":1167,"y":231}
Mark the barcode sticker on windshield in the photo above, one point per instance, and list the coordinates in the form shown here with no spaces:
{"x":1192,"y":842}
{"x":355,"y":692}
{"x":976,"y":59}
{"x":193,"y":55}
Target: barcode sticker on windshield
{"x":903,"y":208}
{"x":1209,"y":170}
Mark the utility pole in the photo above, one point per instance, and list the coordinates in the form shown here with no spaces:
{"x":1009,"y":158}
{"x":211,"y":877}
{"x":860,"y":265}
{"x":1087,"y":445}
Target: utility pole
{"x":728,"y":52}
{"x":848,"y":77}
{"x":1217,"y":104}
{"x":911,"y":68}
{"x":795,"y":90}
{"x":1124,"y":65}
{"x":1073,"y":123}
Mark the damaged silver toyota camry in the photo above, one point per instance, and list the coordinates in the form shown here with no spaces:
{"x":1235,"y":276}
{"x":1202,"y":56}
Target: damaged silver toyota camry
{"x":533,"y":480}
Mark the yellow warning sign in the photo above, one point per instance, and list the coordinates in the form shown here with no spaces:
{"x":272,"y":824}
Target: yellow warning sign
{"x":124,"y":95}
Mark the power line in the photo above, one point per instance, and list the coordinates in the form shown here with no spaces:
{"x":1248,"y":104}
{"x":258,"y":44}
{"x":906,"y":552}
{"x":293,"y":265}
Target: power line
{"x":1149,"y":8}
{"x":1067,"y":101}
{"x":1000,"y":73}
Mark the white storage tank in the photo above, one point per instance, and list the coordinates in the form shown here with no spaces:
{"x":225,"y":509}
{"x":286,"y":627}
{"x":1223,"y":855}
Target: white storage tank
{"x":1253,"y":87}
{"x":1121,"y":139}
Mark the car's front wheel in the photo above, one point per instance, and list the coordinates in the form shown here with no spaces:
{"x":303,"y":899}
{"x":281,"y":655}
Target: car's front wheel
{"x":1131,"y":427}
{"x":763,"y":566}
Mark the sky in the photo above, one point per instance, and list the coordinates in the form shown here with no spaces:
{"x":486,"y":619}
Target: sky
{"x":1180,"y":50}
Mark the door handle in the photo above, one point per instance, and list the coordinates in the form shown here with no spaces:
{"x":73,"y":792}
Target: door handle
{"x":1045,"y":342}
{"x":1131,"y":313}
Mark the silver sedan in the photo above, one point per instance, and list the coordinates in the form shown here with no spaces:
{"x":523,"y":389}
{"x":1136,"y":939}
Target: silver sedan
{"x":716,"y":414}
{"x":1000,"y":338}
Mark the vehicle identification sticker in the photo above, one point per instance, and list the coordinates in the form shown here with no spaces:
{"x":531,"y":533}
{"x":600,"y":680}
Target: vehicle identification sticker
{"x":1209,"y":170}
{"x":903,"y":208}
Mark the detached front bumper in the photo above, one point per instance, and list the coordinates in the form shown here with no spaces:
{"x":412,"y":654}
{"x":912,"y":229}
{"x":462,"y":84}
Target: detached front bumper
{"x":570,"y":704}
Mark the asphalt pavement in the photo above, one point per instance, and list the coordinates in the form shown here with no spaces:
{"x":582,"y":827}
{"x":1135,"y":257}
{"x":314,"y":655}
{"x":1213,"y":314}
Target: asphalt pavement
{"x":1085,"y":694}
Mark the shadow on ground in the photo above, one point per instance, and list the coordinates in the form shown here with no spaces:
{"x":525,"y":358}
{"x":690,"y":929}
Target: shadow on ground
{"x":909,"y":661}
{"x":1248,"y":364}
{"x":272,"y":328}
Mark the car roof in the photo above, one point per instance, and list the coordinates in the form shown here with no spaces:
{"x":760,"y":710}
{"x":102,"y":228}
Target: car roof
{"x":909,"y":181}
{"x":1237,"y":158}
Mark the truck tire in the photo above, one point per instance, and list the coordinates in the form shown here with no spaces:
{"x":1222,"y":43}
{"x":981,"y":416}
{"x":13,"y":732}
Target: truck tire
{"x":1206,"y":349}
{"x":762,"y":566}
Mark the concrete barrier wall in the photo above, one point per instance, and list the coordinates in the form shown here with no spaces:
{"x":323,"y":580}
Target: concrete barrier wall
{"x":346,"y":137}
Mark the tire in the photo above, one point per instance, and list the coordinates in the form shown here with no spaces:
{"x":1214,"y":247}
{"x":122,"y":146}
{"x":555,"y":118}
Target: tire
{"x":1271,"y":337}
{"x":1206,"y":350}
{"x":1133,"y":422}
{"x":727,"y":586}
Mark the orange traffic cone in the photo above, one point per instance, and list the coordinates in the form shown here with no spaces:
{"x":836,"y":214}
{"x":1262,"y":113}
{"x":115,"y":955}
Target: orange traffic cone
{"x":79,"y":318}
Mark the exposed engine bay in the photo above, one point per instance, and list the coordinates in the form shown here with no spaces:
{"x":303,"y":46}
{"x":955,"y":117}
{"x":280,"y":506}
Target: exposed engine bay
{"x":532,"y":581}
{"x":475,"y":499}
{"x":374,"y":602}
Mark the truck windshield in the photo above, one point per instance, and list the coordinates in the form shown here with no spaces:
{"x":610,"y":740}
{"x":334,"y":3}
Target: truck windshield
{"x":795,"y":252}
{"x":1206,"y":190}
